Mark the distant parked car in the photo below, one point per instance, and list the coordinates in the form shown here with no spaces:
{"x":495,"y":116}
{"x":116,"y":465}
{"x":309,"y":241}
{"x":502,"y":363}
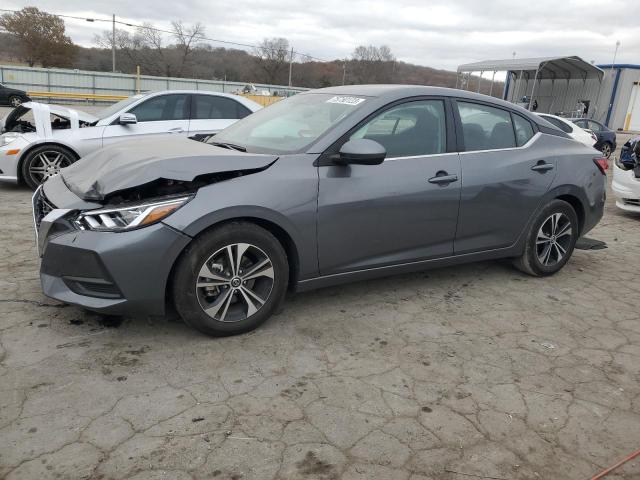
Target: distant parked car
{"x":12,"y":96}
{"x":571,"y":129}
{"x":38,"y":140}
{"x":606,"y":137}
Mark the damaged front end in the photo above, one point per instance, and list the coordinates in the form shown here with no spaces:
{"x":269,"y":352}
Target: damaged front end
{"x":136,"y":184}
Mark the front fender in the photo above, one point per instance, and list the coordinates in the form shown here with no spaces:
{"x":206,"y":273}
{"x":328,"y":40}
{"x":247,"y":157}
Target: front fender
{"x":284,"y":195}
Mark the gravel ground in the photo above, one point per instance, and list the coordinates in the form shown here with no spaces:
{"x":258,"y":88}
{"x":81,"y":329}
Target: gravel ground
{"x":469,"y":372}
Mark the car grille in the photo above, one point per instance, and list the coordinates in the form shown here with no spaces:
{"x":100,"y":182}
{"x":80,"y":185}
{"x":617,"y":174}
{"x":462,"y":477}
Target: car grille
{"x":632,"y":201}
{"x":41,"y":206}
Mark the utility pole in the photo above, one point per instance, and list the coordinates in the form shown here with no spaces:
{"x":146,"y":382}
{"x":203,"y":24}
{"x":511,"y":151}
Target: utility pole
{"x":344,"y":71}
{"x":615,"y":54}
{"x":290,"y":65}
{"x":113,"y":44}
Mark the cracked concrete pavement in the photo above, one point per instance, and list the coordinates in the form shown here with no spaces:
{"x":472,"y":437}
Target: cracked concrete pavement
{"x":476,"y":371}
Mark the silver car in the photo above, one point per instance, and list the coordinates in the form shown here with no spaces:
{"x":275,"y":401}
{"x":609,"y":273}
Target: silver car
{"x":326,"y":187}
{"x":38,"y":140}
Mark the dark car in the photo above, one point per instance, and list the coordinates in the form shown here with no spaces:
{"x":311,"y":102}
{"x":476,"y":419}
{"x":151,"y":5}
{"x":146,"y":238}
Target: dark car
{"x":606,"y":137}
{"x":12,"y":96}
{"x":326,"y":187}
{"x":630,"y":152}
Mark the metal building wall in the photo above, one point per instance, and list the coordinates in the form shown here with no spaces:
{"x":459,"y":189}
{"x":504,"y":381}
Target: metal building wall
{"x":561,"y":96}
{"x":558,"y":96}
{"x":627,"y":77}
{"x":105,"y":83}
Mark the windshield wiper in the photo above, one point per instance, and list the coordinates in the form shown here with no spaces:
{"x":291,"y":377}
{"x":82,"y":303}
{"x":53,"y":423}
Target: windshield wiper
{"x":230,"y":146}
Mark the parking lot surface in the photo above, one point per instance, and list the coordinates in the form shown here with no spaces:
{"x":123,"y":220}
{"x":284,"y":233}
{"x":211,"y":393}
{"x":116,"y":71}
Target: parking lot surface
{"x":476,"y":371}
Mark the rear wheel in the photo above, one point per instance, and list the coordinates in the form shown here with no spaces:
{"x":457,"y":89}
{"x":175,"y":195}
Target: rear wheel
{"x":550,"y":241}
{"x":44,"y":162}
{"x":606,"y":149}
{"x":15,"y":101}
{"x":230,"y":279}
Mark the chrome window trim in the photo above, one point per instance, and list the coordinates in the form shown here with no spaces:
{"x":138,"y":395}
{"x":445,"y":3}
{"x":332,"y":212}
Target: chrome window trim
{"x":526,"y":145}
{"x":422,"y":156}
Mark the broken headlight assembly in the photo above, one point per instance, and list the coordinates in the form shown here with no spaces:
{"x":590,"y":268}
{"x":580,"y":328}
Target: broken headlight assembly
{"x":7,"y":138}
{"x":129,"y":217}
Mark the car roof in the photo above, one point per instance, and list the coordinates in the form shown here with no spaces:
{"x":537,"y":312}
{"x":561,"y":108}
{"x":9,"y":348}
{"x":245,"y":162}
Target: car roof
{"x":392,"y":92}
{"x":244,"y":100}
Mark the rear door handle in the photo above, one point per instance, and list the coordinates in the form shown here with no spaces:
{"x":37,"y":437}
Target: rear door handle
{"x":542,"y":167}
{"x":443,"y":178}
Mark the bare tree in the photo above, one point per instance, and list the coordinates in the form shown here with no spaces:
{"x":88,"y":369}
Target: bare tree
{"x":272,"y":58}
{"x":41,"y":35}
{"x":373,"y":64}
{"x":149,"y":47}
{"x":187,"y":38}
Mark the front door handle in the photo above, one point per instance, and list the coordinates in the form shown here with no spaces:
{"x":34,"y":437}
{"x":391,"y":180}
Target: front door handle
{"x":542,"y":166}
{"x":443,"y":178}
{"x":176,"y":130}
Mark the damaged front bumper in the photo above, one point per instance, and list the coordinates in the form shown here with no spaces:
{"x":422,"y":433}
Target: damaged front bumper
{"x":94,"y":269}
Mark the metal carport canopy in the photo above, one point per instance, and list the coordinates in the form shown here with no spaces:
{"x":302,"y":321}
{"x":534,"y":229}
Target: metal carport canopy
{"x":546,"y":67}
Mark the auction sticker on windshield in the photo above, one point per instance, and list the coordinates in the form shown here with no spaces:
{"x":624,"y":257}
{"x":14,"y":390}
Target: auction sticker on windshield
{"x":346,"y":100}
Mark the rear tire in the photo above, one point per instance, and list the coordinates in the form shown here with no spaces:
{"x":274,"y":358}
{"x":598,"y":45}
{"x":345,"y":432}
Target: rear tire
{"x":550,"y":240}
{"x":45,"y":161}
{"x":15,"y":101}
{"x":606,"y":149}
{"x":230,"y":279}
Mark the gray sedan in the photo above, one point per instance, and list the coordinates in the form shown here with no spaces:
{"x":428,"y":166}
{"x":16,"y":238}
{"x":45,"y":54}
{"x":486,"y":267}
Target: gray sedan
{"x":329,"y":186}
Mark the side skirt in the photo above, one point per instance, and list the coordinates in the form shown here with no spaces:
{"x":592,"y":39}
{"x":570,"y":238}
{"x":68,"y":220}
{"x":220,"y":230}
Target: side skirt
{"x":389,"y":270}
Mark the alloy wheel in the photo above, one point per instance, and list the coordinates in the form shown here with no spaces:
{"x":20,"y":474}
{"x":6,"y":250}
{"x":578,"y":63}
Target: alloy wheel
{"x":606,"y":150}
{"x":47,"y":164}
{"x":554,"y":239}
{"x":235,"y":282}
{"x":15,"y":101}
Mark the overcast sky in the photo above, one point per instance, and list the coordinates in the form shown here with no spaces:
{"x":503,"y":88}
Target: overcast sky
{"x":435,"y":33}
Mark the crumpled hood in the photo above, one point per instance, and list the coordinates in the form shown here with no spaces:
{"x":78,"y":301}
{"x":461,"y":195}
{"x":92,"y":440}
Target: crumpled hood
{"x":138,"y":162}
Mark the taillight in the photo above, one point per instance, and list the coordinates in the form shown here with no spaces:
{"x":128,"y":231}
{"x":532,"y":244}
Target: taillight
{"x":602,"y":164}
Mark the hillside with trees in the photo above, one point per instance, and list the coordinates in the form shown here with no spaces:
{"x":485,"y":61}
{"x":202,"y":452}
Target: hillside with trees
{"x":38,"y":39}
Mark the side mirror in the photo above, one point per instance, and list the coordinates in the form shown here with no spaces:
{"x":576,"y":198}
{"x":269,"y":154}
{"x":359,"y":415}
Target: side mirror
{"x":128,"y":119}
{"x":361,"y":151}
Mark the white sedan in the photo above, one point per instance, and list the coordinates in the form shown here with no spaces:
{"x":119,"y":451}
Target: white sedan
{"x":38,"y":140}
{"x":573,"y":130}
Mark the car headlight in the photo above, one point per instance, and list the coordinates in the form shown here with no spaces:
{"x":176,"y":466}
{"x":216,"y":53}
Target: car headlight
{"x":129,"y":216}
{"x":7,"y":138}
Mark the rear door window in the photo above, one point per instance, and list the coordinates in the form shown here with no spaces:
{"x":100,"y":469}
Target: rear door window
{"x":485,"y":127}
{"x":207,"y":107}
{"x":524,"y":130}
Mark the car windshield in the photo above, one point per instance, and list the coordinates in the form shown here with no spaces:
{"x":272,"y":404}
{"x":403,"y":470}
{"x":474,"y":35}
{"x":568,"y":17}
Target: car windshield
{"x":116,"y":107}
{"x":290,"y":125}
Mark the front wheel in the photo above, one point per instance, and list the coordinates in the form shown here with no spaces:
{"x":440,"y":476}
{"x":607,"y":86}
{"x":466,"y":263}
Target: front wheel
{"x":550,"y":241}
{"x":230,"y":279}
{"x":44,"y":162}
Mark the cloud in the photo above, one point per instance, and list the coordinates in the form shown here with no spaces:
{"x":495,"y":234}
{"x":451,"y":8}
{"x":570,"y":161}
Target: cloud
{"x":435,"y":33}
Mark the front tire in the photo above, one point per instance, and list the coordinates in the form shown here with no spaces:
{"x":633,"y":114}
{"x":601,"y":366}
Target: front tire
{"x":550,"y":240}
{"x":45,"y":161}
{"x":230,"y":279}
